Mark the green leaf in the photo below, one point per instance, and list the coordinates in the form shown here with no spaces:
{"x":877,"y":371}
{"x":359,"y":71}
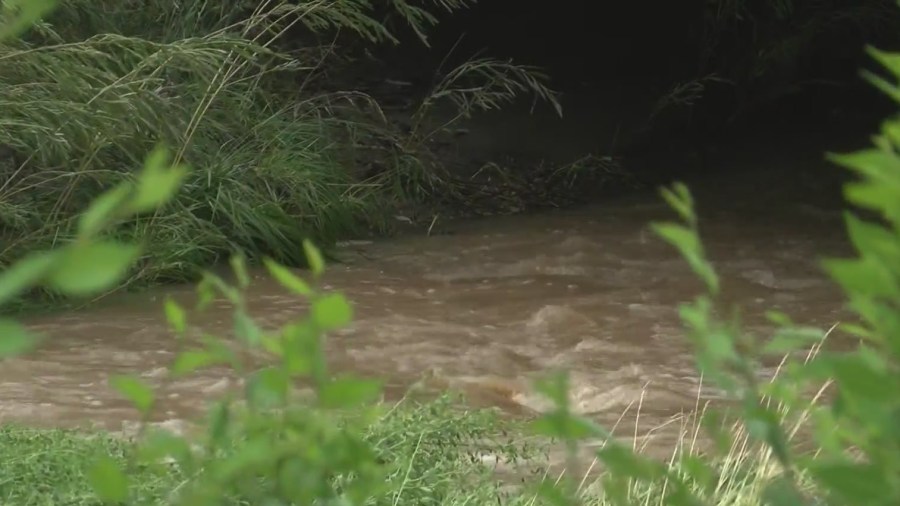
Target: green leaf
{"x":555,"y":494}
{"x":15,"y":340}
{"x":624,"y":461}
{"x":782,"y":492}
{"x":136,"y":391}
{"x":853,"y":483}
{"x":864,"y":275}
{"x":88,"y":269}
{"x":102,"y":211}
{"x":889,"y":59}
{"x":108,"y":480}
{"x":248,"y":459}
{"x":683,"y":238}
{"x":314,"y":257}
{"x":881,"y":199}
{"x":688,"y":243}
{"x":161,"y":444}
{"x":331,"y":311}
{"x":679,"y":198}
{"x":268,"y":388}
{"x":158,"y":183}
{"x":555,"y":387}
{"x":25,"y":274}
{"x":19,"y":15}
{"x":348,"y":392}
{"x":791,"y":339}
{"x":877,"y":165}
{"x":764,"y":425}
{"x":874,"y":240}
{"x":857,"y":376}
{"x":239,"y":267}
{"x":566,"y":426}
{"x":699,"y":471}
{"x":190,"y":361}
{"x":287,"y":279}
{"x":175,"y":315}
{"x":302,"y":349}
{"x":246,"y":329}
{"x":219,"y":425}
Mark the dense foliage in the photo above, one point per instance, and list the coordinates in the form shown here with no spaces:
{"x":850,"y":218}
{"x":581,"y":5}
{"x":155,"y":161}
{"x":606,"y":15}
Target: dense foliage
{"x":270,"y":445}
{"x":245,"y":93}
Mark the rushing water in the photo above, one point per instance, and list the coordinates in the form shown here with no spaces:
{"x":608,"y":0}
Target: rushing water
{"x":486,"y":309}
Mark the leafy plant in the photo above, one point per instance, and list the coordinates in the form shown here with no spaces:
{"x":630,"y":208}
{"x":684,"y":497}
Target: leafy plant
{"x":852,"y":419}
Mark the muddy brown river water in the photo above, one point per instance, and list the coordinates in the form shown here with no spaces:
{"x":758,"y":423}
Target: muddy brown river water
{"x":486,"y":309}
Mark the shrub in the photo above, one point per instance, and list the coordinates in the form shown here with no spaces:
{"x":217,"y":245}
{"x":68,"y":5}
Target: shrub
{"x":853,"y":418}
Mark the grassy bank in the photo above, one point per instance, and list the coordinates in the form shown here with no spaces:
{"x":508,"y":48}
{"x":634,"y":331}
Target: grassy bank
{"x":432,"y":452}
{"x":250,"y":95}
{"x":435,"y":454}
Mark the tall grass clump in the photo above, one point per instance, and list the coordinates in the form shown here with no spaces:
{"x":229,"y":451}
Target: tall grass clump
{"x":88,"y":91}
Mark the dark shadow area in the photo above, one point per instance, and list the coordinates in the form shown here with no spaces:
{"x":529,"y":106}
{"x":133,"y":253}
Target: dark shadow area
{"x":673,"y":88}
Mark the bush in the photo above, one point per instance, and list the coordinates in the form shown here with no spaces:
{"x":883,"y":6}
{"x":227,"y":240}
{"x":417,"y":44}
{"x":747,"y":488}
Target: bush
{"x":852,"y":419}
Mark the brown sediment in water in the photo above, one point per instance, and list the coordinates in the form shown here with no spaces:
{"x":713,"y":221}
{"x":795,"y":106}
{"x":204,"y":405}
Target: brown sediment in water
{"x":487,"y":310}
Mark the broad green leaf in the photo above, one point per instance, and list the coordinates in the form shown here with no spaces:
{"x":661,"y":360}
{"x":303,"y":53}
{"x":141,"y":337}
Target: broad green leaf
{"x":220,"y":424}
{"x":555,"y":494}
{"x":15,"y":340}
{"x":875,"y":241}
{"x":268,"y":388}
{"x":108,"y":480}
{"x":782,"y":492}
{"x":779,"y":318}
{"x":314,"y":257}
{"x":861,"y":484}
{"x":136,"y":391}
{"x":876,"y":164}
{"x":248,"y":459}
{"x":699,"y":471}
{"x":158,"y":182}
{"x":878,"y":198}
{"x":683,"y":238}
{"x":764,"y":425}
{"x":103,"y":211}
{"x":88,"y":269}
{"x":239,"y":268}
{"x":889,"y":59}
{"x":790,"y":339}
{"x":688,"y":243}
{"x":624,"y":461}
{"x":190,"y":361}
{"x":566,"y":426}
{"x":246,"y":329}
{"x":162,"y":444}
{"x":273,"y":345}
{"x":302,"y":349}
{"x":25,"y":274}
{"x":287,"y":279}
{"x":348,"y":392}
{"x":863,"y":275}
{"x":331,"y":311}
{"x":679,"y":199}
{"x":555,"y":387}
{"x":175,"y":315}
{"x":857,"y":376}
{"x":19,"y":15}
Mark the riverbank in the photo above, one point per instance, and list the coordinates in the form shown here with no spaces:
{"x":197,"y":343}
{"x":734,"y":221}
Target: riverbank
{"x":280,"y":149}
{"x":434,"y":453}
